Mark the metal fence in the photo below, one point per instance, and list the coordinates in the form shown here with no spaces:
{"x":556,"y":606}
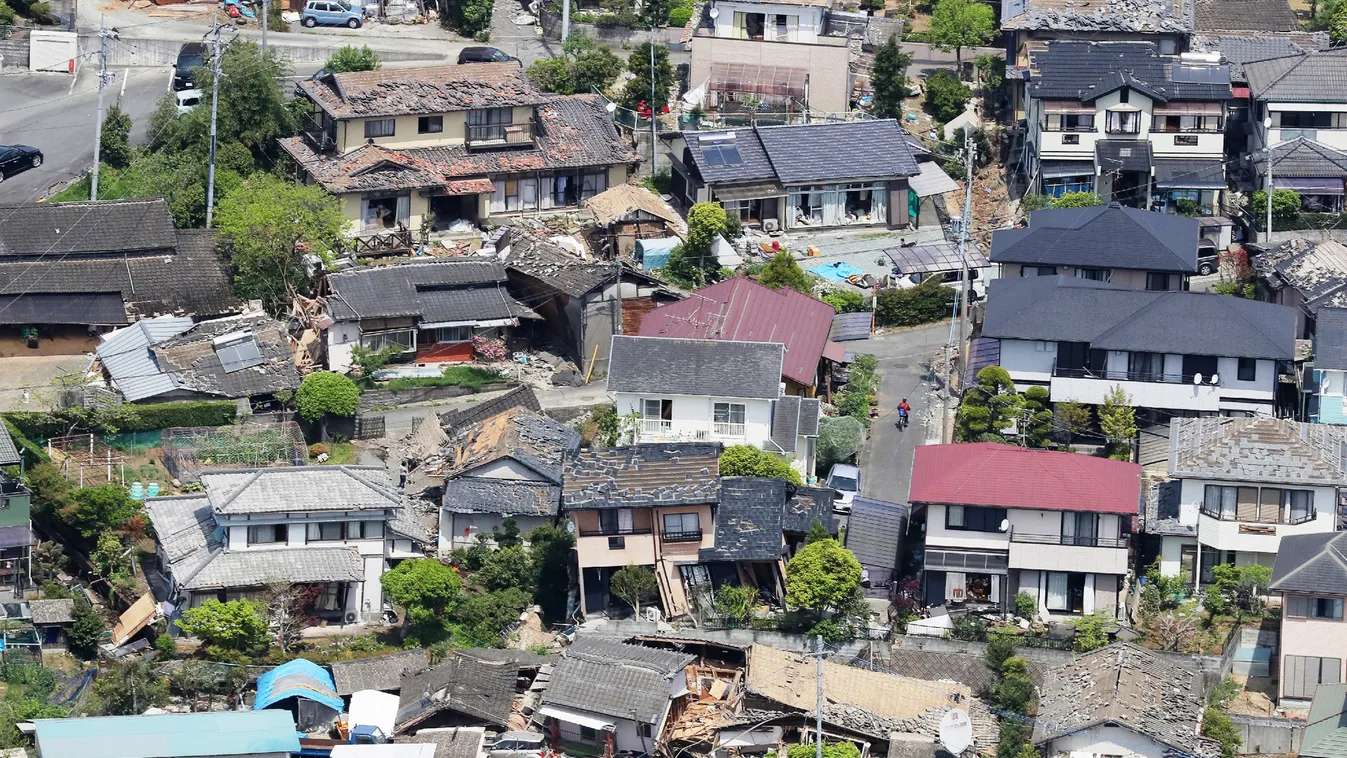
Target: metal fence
{"x":190,"y":450}
{"x":369,"y":427}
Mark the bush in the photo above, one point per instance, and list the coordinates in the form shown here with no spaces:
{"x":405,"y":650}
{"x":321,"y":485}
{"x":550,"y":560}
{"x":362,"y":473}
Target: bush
{"x":324,"y":393}
{"x":927,"y":302}
{"x":839,"y":439}
{"x":352,"y":58}
{"x":1076,"y":200}
{"x":1025,"y":605}
{"x":846,"y":301}
{"x":470,"y":18}
{"x":1091,"y":633}
{"x":680,"y":13}
{"x":123,"y":418}
{"x":317,"y":449}
{"x":748,"y":460}
{"x":236,"y":625}
{"x":1218,"y":726}
{"x":946,"y":96}
{"x":1285,"y":205}
{"x":969,"y":628}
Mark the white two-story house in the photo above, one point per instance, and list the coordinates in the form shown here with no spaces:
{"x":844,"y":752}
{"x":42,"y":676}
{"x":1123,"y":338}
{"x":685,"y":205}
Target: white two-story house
{"x":711,"y":391}
{"x":1244,"y":484}
{"x":319,"y":526}
{"x":1002,"y":520}
{"x":1123,"y":121}
{"x":1174,"y":352}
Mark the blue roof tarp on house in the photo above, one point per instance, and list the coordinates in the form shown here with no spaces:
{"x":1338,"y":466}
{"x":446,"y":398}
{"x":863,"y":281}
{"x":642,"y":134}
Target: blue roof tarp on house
{"x":171,"y":735}
{"x":298,"y":678}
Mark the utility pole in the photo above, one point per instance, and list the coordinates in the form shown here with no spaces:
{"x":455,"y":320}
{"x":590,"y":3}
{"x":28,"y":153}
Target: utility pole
{"x":654,"y":132}
{"x":565,"y":20}
{"x":960,"y":301}
{"x":214,"y":111}
{"x":104,"y":78}
{"x":266,"y":13}
{"x":818,"y":705}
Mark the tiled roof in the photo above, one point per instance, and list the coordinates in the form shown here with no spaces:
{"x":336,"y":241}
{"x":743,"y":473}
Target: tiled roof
{"x":1316,"y":270}
{"x":1129,"y":686}
{"x":445,"y":290}
{"x":722,"y":368}
{"x":1326,"y":730}
{"x":1313,"y":77}
{"x":256,"y":568}
{"x":1152,"y":16}
{"x":473,"y":494}
{"x":1238,"y":49}
{"x":82,"y":229}
{"x":1268,"y":450}
{"x":1330,"y":341}
{"x":127,"y":358}
{"x":1303,"y":157}
{"x":615,"y":679}
{"x":801,"y":153}
{"x":875,"y":532}
{"x":450,"y":742}
{"x":193,"y":280}
{"x":1083,"y":71}
{"x":407,"y":523}
{"x":382,"y":672}
{"x":297,"y":489}
{"x":539,"y":258}
{"x":741,"y":309}
{"x":482,"y":691}
{"x":1007,"y":476}
{"x":533,"y":439}
{"x":786,"y":422}
{"x":52,"y":611}
{"x":748,"y":520}
{"x":192,"y":362}
{"x":432,"y":89}
{"x":572,"y":132}
{"x":656,"y":473}
{"x":519,"y":397}
{"x":186,"y":530}
{"x":9,"y":453}
{"x":1162,"y":510}
{"x":1105,"y":236}
{"x":1123,"y":155}
{"x":1246,"y":16}
{"x":1110,"y":317}
{"x":807,"y":505}
{"x":1311,"y":563}
{"x":616,"y":203}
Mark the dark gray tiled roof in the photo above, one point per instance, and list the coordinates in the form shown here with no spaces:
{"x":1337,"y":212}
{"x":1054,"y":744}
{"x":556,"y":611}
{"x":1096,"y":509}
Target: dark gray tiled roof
{"x":1262,"y":450}
{"x":523,"y":659}
{"x":1123,"y":155}
{"x":533,"y":439}
{"x":748,"y":520}
{"x":1105,"y":236}
{"x":1314,"y":77}
{"x":480,"y":690}
{"x":449,"y":290}
{"x":1301,"y":157}
{"x":78,"y":230}
{"x":1246,"y":16}
{"x":430,"y":89}
{"x":810,"y":152}
{"x":1069,"y":69}
{"x":809,"y":416}
{"x":754,"y":166}
{"x":295,"y":489}
{"x":538,"y":258}
{"x":9,"y":453}
{"x":1317,"y":270}
{"x":449,"y":742}
{"x":471,"y":494}
{"x":519,"y":397}
{"x":1109,"y":317}
{"x":656,"y":473}
{"x":1330,"y":341}
{"x":100,"y":308}
{"x":52,"y":611}
{"x":875,"y":532}
{"x":1311,"y":563}
{"x":1236,"y":50}
{"x":722,"y":368}
{"x":786,"y":422}
{"x":382,"y":672}
{"x":615,"y":679}
{"x":1129,"y":686}
{"x":807,"y":505}
{"x":1150,"y":16}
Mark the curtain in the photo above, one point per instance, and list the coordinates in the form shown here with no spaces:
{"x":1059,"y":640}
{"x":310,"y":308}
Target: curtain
{"x":995,"y":596}
{"x":312,"y":534}
{"x":792,"y":208}
{"x":498,"y":196}
{"x":624,"y":519}
{"x":528,"y":192}
{"x":955,"y":585}
{"x":1056,"y":591}
{"x":1246,"y":508}
{"x":879,"y":203}
{"x":1270,"y":501}
{"x":1089,"y":595}
{"x":1302,"y":504}
{"x":740,"y":25}
{"x":1227,"y":502}
{"x":832,"y":207}
{"x":404,"y":212}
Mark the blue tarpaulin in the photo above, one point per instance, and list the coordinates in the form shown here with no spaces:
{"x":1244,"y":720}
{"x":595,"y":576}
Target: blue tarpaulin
{"x":298,"y":678}
{"x":836,"y":272}
{"x":654,"y":253}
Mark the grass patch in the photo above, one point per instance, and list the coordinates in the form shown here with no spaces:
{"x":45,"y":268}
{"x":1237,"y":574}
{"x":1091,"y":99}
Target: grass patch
{"x":340,"y":454}
{"x":454,"y":376}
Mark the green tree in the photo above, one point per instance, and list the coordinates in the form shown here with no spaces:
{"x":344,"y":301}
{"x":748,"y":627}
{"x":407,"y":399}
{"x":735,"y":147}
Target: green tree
{"x":115,"y":149}
{"x":1091,"y":632}
{"x":1218,"y":726}
{"x":988,"y":408}
{"x":1337,"y":32}
{"x":638,"y":89}
{"x":1241,"y":585}
{"x":750,"y":460}
{"x":1285,"y":203}
{"x":86,"y":631}
{"x":552,"y":75}
{"x":1025,"y":605}
{"x":1073,"y":419}
{"x":817,"y":533}
{"x":234,"y":625}
{"x":352,"y":58}
{"x":94,"y":510}
{"x":7,"y":16}
{"x":693,"y":263}
{"x":470,"y":18}
{"x":128,"y":687}
{"x":927,"y":302}
{"x":425,"y":588}
{"x":842,"y":749}
{"x":110,"y":556}
{"x":845,"y":301}
{"x":1014,"y":692}
{"x":369,"y":361}
{"x":550,"y":550}
{"x":783,"y":271}
{"x":271,"y":224}
{"x":946,"y":96}
{"x":1038,"y":422}
{"x":483,"y":617}
{"x":506,"y":568}
{"x":323,"y":394}
{"x":839,"y":439}
{"x":821,"y":577}
{"x":734,"y":603}
{"x":1076,"y":200}
{"x":1000,"y":648}
{"x":632,"y":584}
{"x":507,"y":535}
{"x":992,"y":68}
{"x":889,"y":79}
{"x":655,"y":12}
{"x":956,"y":24}
{"x":1117,"y":420}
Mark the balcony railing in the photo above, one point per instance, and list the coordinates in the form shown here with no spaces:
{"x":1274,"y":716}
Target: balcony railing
{"x":500,"y":135}
{"x":619,"y":532}
{"x":1303,"y":518}
{"x":661,"y":430}
{"x":1069,"y":540}
{"x":694,"y":535}
{"x":1154,"y":377}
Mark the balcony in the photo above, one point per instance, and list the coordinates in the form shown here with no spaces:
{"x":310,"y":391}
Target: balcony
{"x":615,"y":532}
{"x":694,"y":535}
{"x":487,"y":136}
{"x":1065,"y":539}
{"x":1147,"y":389}
{"x":1302,"y":518}
{"x":661,"y":430}
{"x":1100,"y":555}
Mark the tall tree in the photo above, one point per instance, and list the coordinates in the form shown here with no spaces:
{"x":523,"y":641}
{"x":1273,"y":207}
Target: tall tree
{"x":323,"y":394}
{"x":633,"y":584}
{"x":128,"y":687}
{"x":115,"y":149}
{"x":638,"y":89}
{"x":1117,"y":420}
{"x":425,"y":588}
{"x":889,"y":79}
{"x":988,"y":408}
{"x":550,"y":550}
{"x":956,"y":24}
{"x":1037,"y":419}
{"x":694,"y":263}
{"x":655,"y":12}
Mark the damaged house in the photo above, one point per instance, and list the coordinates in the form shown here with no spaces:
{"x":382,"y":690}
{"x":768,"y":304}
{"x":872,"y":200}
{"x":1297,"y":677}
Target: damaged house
{"x":460,"y":691}
{"x":446,"y":147}
{"x":431,"y":311}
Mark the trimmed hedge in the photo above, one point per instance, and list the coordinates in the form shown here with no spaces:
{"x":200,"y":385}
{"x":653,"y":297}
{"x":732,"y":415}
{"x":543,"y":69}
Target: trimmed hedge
{"x":27,"y":447}
{"x":123,"y":418}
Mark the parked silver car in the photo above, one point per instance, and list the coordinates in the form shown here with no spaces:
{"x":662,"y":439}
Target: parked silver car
{"x":519,"y":745}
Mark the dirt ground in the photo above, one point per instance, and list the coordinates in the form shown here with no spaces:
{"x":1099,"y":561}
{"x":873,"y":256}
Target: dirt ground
{"x":34,"y":374}
{"x":74,"y":341}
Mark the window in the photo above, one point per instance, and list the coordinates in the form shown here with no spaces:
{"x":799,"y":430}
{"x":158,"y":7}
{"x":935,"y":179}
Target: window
{"x":728,"y":413}
{"x":645,"y":729}
{"x":681,"y":523}
{"x":1069,"y":122}
{"x":267,"y":534}
{"x":1146,"y":367}
{"x":1070,"y":139}
{"x":1248,"y":370}
{"x":453,"y":334}
{"x":330,"y":599}
{"x":617,"y":543}
{"x":1262,"y":505}
{"x":1300,"y":606}
{"x":1199,"y":364}
{"x":1302,"y":505}
{"x":336,"y":531}
{"x":1303,"y":120}
{"x":592,"y":184}
{"x":488,"y":124}
{"x":1056,"y":600}
{"x":972,"y":518}
{"x":589,"y":733}
{"x":1124,"y":122}
{"x":1080,"y":529}
{"x":1093,"y":274}
{"x":380,"y":127}
{"x":325,"y":531}
{"x":1157,"y":281}
{"x":1125,"y":95}
{"x":1185,"y":140}
{"x":1038,"y":271}
{"x":1080,"y":357}
{"x":405,"y":339}
{"x":1303,"y":674}
{"x":430,"y":124}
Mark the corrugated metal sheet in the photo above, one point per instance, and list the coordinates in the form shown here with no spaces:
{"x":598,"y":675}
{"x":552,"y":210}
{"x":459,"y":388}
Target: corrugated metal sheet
{"x":125,"y":354}
{"x":850,"y":326}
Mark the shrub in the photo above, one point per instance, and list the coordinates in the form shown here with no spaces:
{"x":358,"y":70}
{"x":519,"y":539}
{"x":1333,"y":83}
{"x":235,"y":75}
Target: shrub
{"x":324,"y":393}
{"x":969,"y":628}
{"x":317,"y":449}
{"x":946,"y":96}
{"x":845,"y":301}
{"x":927,"y":302}
{"x":1218,"y":726}
{"x":1025,"y":605}
{"x":1076,"y":200}
{"x":1091,"y":633}
{"x":748,"y":460}
{"x":1285,"y":205}
{"x":484,"y":349}
{"x":124,"y":418}
{"x":352,"y":58}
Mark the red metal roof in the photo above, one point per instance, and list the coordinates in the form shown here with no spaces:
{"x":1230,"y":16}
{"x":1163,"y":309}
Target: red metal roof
{"x":1006,"y":476}
{"x":741,"y":309}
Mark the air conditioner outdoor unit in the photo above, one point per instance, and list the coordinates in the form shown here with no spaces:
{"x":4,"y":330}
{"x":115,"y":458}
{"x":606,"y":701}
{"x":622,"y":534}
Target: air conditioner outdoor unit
{"x":770,"y":225}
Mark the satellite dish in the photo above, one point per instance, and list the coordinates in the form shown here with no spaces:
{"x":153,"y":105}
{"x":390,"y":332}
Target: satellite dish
{"x":1197,"y":378}
{"x":956,"y":731}
{"x":570,"y":527}
{"x":715,"y":13}
{"x":1005,"y":524}
{"x":1215,"y":378}
{"x":610,"y":107}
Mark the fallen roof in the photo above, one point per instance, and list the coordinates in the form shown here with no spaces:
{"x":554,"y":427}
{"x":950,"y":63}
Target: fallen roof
{"x":480,"y":690}
{"x":446,"y":291}
{"x":743,"y":310}
{"x":186,"y":530}
{"x":875,"y":530}
{"x":128,"y":360}
{"x":1268,"y":450}
{"x":1111,"y":317}
{"x":519,"y":397}
{"x":612,"y":678}
{"x":382,"y":672}
{"x":426,"y":90}
{"x":532,"y":439}
{"x":1105,"y":236}
{"x":539,"y":258}
{"x":1316,"y":270}
{"x":295,"y":489}
{"x":1310,"y":77}
{"x":722,"y":368}
{"x":1311,"y":563}
{"x":749,"y":520}
{"x":1129,"y":686}
{"x":1153,"y":16}
{"x":656,"y":473}
{"x":1238,"y":49}
{"x":508,"y":497}
{"x":299,"y":678}
{"x":1083,"y":71}
{"x":1326,"y":730}
{"x":170,"y":735}
{"x":1008,"y":476}
{"x":619,"y":202}
{"x":452,"y":742}
{"x":200,"y":359}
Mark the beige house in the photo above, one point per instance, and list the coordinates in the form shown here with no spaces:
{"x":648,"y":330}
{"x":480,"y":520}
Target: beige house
{"x":1311,"y":575}
{"x":448,"y":146}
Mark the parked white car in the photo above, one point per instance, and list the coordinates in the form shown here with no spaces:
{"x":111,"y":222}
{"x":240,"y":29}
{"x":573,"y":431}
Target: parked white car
{"x":188,"y":99}
{"x":846,"y":480}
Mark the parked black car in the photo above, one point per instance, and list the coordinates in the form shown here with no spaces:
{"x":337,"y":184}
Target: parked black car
{"x":16,"y":158}
{"x":191,"y":57}
{"x":485,"y":55}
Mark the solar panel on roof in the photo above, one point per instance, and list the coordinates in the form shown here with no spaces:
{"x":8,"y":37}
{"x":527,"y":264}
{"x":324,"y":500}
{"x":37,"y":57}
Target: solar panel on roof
{"x":722,"y":155}
{"x":238,"y":354}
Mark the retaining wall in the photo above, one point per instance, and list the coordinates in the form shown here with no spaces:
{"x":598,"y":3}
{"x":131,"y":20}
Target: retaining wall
{"x":385,"y":398}
{"x":161,"y":52}
{"x":1268,"y":736}
{"x":15,"y":50}
{"x":609,"y":36}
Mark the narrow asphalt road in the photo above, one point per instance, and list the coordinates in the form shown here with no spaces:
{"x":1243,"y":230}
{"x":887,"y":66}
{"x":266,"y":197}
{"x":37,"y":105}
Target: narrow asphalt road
{"x":904,"y":368}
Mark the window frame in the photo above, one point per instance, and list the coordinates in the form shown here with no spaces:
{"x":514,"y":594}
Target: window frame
{"x":374,"y":127}
{"x":1151,"y":279}
{"x":730,"y":411}
{"x":1252,"y":365}
{"x":681,"y":525}
{"x":430,"y":124}
{"x":279,"y":533}
{"x":975,"y":518}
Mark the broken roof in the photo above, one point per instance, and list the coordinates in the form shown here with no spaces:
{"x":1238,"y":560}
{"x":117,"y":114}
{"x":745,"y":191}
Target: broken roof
{"x":1078,"y":70}
{"x":1246,"y":16}
{"x":519,"y":397}
{"x":622,"y":201}
{"x":382,"y":672}
{"x":185,"y":528}
{"x":1007,"y":476}
{"x":1310,"y":77}
{"x":127,"y":358}
{"x":1105,"y":236}
{"x":481,"y":690}
{"x":722,"y":368}
{"x":1267,"y":450}
{"x":539,"y":258}
{"x":743,"y":310}
{"x":444,"y":291}
{"x":512,"y":497}
{"x":533,"y":439}
{"x":1150,"y":16}
{"x":611,"y":678}
{"x":1238,"y":49}
{"x":1126,"y":685}
{"x":1317,"y":270}
{"x":748,"y":520}
{"x":655,"y":473}
{"x":427,"y":90}
{"x":298,"y":489}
